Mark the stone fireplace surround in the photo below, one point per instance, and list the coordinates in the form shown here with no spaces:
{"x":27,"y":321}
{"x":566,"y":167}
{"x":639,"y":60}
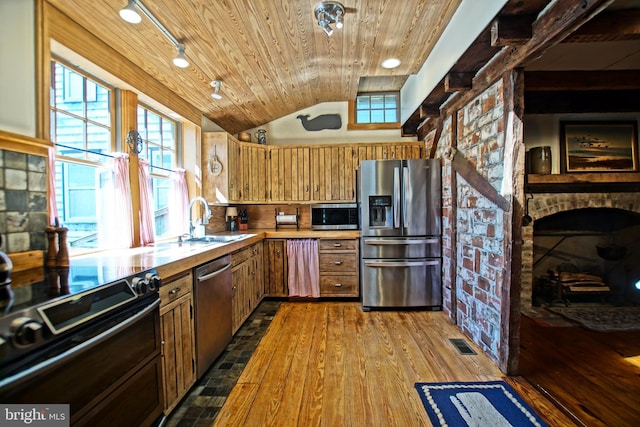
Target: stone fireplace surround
{"x":544,"y":204}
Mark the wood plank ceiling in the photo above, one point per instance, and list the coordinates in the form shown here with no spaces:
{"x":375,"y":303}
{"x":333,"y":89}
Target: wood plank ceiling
{"x":271,"y":55}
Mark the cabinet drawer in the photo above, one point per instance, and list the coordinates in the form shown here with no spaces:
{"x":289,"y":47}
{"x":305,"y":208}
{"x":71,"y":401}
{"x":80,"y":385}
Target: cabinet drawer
{"x":337,"y":245}
{"x":338,"y":284}
{"x":241,"y":256}
{"x":175,"y":289}
{"x":340,"y":262}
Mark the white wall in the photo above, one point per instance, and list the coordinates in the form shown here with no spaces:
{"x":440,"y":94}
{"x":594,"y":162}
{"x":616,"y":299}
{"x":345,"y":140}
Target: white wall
{"x":471,"y":18}
{"x":544,"y":130}
{"x":288,"y":130}
{"x":17,"y":67}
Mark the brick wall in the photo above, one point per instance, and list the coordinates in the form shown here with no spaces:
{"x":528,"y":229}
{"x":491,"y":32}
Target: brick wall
{"x":476,"y":224}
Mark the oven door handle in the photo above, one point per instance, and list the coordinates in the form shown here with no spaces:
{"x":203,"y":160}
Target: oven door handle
{"x":52,"y":362}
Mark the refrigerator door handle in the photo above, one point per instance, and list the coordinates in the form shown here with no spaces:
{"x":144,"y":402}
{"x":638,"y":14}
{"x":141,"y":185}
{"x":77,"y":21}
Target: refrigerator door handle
{"x":405,"y":196}
{"x":400,"y":241}
{"x":396,"y":197}
{"x":395,"y":264}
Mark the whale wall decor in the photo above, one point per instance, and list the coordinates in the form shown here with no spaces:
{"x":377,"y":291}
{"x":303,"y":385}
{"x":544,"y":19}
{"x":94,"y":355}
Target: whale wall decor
{"x":321,"y":122}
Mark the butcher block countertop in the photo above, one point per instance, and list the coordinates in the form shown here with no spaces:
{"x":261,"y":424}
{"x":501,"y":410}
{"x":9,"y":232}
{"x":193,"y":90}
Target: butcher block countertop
{"x":170,"y":258}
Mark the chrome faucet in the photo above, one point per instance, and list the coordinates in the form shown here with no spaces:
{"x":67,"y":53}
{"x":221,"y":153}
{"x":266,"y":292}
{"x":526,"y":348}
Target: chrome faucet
{"x":205,"y":217}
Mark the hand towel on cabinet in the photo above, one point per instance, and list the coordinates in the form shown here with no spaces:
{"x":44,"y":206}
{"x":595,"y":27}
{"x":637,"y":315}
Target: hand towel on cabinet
{"x":303,"y":265}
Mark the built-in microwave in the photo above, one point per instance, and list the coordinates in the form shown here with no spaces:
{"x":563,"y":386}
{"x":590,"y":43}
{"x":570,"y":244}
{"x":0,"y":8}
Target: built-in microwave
{"x":334,"y":216}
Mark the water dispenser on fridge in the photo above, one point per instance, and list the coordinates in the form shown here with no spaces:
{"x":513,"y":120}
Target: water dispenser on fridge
{"x":380,"y":211}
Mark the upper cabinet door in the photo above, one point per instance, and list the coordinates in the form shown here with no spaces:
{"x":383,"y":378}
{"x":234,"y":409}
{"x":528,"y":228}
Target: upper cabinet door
{"x":333,"y":173}
{"x":254,"y":173}
{"x":289,"y":174}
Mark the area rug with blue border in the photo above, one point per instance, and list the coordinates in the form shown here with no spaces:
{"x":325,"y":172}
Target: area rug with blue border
{"x":477,"y":404}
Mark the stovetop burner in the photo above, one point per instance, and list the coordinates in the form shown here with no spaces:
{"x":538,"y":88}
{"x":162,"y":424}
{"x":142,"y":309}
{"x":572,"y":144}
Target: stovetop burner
{"x":67,"y":298}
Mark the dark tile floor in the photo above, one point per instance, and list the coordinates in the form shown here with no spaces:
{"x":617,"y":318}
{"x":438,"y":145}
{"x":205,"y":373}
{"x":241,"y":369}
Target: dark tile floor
{"x":201,"y":405}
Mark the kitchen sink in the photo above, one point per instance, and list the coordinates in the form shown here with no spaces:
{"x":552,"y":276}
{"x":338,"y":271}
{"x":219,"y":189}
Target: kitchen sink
{"x":222,"y":238}
{"x":198,"y":242}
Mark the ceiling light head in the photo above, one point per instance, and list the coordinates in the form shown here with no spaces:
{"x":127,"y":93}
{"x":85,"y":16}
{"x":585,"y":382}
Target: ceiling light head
{"x":130,"y":14}
{"x":391,"y":63}
{"x":327,"y":13}
{"x":216,"y":84}
{"x":180,"y":60}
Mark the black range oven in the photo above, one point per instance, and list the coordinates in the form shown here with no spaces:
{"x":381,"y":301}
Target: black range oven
{"x":88,"y":339}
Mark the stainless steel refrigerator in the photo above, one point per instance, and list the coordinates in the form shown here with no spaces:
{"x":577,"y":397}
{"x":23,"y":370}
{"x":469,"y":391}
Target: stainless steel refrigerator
{"x":400,"y":208}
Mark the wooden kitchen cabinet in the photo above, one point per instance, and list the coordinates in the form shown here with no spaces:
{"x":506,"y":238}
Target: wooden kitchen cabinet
{"x":275,"y":268}
{"x":398,"y":150}
{"x":339,"y":273}
{"x":243,"y":177}
{"x":289,"y":173}
{"x":178,"y":339}
{"x":253,"y":172}
{"x":225,"y":185}
{"x":247,"y":283}
{"x":333,"y":173}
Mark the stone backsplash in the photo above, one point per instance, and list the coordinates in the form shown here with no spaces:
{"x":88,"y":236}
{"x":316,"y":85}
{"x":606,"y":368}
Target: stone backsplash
{"x":23,"y":201}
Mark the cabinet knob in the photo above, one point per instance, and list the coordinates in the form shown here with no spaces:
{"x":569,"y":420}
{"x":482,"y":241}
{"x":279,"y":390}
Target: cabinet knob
{"x":174,"y":291}
{"x":337,"y":262}
{"x":337,"y":245}
{"x":338,"y":285}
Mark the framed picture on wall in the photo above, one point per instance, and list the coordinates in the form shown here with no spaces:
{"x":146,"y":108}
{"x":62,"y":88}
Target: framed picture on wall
{"x":599,"y":146}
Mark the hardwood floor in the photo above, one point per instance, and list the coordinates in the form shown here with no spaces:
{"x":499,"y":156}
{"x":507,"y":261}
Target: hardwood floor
{"x":594,"y":375}
{"x":331,"y":364}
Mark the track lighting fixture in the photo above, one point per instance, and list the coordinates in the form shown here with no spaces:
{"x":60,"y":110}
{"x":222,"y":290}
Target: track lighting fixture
{"x":327,"y":13}
{"x":130,"y":14}
{"x":180,"y":60}
{"x":216,"y":84}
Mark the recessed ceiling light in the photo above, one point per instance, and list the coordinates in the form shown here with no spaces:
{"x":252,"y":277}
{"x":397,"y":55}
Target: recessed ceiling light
{"x":390,"y":63}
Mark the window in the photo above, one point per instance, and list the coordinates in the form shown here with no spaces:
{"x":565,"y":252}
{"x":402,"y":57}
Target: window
{"x":375,"y":111}
{"x":81,"y":128}
{"x":159,"y":149}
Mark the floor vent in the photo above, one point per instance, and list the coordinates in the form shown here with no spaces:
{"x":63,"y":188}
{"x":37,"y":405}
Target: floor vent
{"x":462,"y":346}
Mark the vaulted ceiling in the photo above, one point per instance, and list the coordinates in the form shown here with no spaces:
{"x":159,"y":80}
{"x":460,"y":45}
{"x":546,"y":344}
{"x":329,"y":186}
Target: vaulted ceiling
{"x":273,"y":59}
{"x":271,"y":56}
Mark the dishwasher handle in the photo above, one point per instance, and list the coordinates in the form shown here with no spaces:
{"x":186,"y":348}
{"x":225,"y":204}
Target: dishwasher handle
{"x":214,"y":274}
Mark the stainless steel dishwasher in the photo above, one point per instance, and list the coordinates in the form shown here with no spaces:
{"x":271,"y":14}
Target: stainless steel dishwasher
{"x":212,"y":293}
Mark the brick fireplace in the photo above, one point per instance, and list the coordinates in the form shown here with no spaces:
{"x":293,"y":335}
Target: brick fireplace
{"x":575,"y":248}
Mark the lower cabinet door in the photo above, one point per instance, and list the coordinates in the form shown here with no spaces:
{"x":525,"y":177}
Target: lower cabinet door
{"x":178,"y":346}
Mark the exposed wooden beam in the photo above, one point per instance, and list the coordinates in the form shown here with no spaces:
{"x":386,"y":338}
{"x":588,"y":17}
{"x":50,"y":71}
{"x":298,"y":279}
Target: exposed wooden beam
{"x":595,"y":101}
{"x":457,"y":81}
{"x":609,"y":26}
{"x":468,"y":171}
{"x":429,"y":111}
{"x":559,"y":19}
{"x":582,"y":80}
{"x":511,"y":30}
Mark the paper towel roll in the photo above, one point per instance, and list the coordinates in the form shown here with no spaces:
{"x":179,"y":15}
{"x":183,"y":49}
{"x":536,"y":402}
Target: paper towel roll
{"x":286,"y":219}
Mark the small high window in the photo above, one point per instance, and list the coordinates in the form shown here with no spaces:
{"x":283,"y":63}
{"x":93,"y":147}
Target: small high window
{"x":380,"y":110}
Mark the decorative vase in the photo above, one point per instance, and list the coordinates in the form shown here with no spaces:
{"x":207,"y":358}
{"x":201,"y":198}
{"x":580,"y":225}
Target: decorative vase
{"x":261,"y":134}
